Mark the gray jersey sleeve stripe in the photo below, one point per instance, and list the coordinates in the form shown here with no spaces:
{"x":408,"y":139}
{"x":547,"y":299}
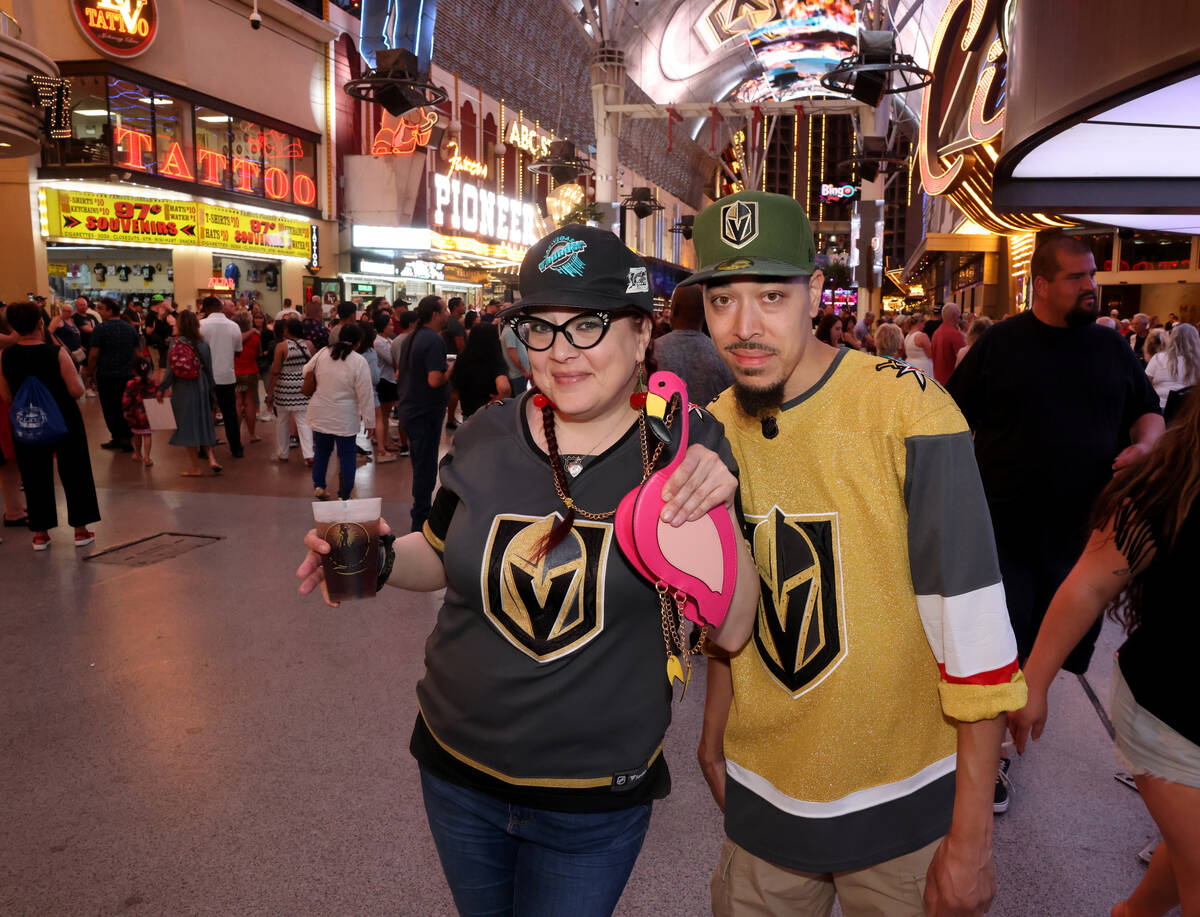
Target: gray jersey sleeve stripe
{"x":951,"y":549}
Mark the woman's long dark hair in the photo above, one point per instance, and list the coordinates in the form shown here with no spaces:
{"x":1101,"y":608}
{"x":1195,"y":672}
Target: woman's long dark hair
{"x":347,"y":342}
{"x":1148,"y":503}
{"x":558,"y":534}
{"x":476,"y":364}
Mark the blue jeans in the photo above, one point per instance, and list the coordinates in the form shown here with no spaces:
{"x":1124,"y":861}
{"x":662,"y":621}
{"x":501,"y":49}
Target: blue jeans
{"x":323,"y":446}
{"x":502,"y":860}
{"x":424,"y":437}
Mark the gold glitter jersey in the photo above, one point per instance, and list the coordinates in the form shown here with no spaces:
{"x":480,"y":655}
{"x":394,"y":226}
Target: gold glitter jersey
{"x":882,"y":618}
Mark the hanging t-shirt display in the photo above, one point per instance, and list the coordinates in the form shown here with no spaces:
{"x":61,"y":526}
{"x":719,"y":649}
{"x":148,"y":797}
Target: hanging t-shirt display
{"x":233,"y":272}
{"x":123,"y":272}
{"x":271,"y":278}
{"x":148,"y":272}
{"x":100,"y":272}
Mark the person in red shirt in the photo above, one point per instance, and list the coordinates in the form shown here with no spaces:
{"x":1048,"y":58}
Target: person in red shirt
{"x":245,"y":367}
{"x":947,"y":342}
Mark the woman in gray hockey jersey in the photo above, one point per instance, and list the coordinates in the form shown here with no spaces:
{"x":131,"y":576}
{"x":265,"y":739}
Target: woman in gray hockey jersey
{"x":545,"y":699}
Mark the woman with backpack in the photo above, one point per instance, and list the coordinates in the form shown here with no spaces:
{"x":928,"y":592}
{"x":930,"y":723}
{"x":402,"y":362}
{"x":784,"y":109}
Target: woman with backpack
{"x":39,"y":379}
{"x":189,"y":379}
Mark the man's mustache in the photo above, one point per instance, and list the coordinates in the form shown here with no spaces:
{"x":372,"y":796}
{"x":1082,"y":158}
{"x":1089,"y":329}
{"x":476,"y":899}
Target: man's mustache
{"x":750,"y":345}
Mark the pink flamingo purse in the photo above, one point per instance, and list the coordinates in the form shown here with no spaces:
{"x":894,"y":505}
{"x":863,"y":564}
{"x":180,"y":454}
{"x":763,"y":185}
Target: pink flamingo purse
{"x":696,"y":563}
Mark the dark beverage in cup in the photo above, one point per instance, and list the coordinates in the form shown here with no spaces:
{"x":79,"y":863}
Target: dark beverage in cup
{"x":351,"y":527}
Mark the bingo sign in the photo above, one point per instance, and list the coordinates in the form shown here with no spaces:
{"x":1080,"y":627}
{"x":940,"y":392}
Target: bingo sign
{"x":118,"y":28}
{"x":835,"y":194}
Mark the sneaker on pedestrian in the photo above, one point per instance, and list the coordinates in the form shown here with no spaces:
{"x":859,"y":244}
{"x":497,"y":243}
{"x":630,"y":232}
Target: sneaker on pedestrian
{"x":84,"y":538}
{"x":111,"y":444}
{"x":293,"y":442}
{"x":1004,"y":789}
{"x":404,"y":451}
{"x":451,"y":425}
{"x":320,"y":493}
{"x":386,"y":457}
{"x":41,"y":542}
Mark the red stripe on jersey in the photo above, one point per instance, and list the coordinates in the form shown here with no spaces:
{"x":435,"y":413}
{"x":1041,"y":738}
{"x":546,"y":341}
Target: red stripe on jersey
{"x":1000,"y":676}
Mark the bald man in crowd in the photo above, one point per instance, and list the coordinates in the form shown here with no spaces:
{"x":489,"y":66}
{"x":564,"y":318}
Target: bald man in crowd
{"x":947,"y":341}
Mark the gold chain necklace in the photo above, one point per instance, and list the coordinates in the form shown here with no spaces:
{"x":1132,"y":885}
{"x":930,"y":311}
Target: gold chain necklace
{"x":648,"y":463}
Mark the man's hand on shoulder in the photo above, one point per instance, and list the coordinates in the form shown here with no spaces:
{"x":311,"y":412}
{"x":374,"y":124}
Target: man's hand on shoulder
{"x":961,"y":881}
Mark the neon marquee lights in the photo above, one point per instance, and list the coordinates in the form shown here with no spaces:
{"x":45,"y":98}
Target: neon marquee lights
{"x":135,"y":145}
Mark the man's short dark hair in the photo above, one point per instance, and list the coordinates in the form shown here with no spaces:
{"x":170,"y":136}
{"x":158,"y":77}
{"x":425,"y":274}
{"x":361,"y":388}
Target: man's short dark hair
{"x":454,"y":303}
{"x":23,"y":317}
{"x":111,"y":306}
{"x":210,"y":304}
{"x":1045,"y":258}
{"x":427,"y":308}
{"x":406,"y":320}
{"x":382,"y":320}
{"x":295,"y":327}
{"x":346,"y":310}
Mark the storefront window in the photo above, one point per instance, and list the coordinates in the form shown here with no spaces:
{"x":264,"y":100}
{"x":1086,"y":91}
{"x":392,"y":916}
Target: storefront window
{"x":1101,"y":245}
{"x":247,"y":157}
{"x":91,"y":136}
{"x":304,"y":174}
{"x":131,"y":114}
{"x":174,"y":150}
{"x":212,"y":148}
{"x":1156,"y":251}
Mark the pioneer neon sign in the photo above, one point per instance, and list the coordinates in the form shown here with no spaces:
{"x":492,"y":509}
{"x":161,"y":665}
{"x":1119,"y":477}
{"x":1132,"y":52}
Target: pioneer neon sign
{"x":465,"y":207}
{"x":211,"y":165}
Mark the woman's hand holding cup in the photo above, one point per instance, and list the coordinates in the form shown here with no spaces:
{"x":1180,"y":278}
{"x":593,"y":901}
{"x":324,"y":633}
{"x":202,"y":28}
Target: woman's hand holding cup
{"x":311,"y":572}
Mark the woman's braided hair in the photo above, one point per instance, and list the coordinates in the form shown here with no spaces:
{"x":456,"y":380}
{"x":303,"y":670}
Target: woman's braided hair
{"x":558,"y":534}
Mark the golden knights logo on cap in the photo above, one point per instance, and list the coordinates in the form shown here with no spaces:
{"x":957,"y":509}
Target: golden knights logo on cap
{"x":739,"y":223}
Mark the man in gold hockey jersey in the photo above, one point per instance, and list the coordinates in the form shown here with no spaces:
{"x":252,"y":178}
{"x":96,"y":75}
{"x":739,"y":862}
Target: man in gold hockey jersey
{"x":853,"y":743}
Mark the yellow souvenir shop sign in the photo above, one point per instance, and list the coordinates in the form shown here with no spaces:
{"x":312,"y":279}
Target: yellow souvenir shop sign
{"x":99,"y":217}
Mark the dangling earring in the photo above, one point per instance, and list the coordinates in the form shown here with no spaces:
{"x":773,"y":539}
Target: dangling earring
{"x":637,"y":400}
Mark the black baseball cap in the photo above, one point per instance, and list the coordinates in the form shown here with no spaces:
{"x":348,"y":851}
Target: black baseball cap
{"x":582,"y":267}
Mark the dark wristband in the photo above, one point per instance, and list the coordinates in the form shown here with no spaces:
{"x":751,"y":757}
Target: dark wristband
{"x":387,"y":557}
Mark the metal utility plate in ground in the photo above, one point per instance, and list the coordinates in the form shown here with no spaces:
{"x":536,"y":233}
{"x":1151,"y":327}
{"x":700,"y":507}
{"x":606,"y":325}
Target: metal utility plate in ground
{"x":152,"y":549}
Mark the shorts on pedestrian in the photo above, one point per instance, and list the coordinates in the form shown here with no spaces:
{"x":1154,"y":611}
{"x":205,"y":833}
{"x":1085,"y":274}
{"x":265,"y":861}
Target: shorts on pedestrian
{"x":744,"y":885}
{"x":387,"y":391}
{"x":1145,"y":745}
{"x":248,"y":383}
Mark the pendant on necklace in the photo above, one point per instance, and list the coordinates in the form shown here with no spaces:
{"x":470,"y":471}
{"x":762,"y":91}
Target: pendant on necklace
{"x":574,"y":466}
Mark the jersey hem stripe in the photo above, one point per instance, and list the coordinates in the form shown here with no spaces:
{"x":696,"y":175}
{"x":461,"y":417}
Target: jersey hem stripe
{"x":853,"y":802}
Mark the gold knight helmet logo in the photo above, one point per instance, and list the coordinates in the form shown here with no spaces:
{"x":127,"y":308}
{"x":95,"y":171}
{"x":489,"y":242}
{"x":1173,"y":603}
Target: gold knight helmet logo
{"x":546,"y":607}
{"x":800,"y":631}
{"x":739,"y":223}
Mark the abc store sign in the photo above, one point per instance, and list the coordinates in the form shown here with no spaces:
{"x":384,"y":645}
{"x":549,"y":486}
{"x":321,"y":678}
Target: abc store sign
{"x":465,"y":207}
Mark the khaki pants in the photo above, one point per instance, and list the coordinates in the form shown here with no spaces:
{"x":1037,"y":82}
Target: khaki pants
{"x":746,"y":886}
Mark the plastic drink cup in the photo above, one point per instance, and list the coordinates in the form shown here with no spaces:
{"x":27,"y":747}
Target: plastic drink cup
{"x":352,"y":529}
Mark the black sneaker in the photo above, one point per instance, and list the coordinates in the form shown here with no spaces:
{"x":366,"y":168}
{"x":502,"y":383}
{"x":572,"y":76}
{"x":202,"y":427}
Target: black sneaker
{"x":111,"y":444}
{"x":1004,"y":788}
{"x":293,"y":442}
{"x":451,"y":425}
{"x":403,"y":451}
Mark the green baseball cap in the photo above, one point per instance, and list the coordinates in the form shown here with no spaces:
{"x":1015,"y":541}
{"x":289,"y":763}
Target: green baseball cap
{"x":756,"y":233}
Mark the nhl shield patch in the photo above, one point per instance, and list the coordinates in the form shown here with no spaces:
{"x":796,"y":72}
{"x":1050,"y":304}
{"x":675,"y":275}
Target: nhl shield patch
{"x":800,"y":630}
{"x":739,"y":223}
{"x":551,"y":606}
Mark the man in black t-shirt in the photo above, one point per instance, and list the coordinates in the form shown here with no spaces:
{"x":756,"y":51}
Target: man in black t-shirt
{"x":110,"y":363}
{"x":1056,"y":403}
{"x":421,"y":376}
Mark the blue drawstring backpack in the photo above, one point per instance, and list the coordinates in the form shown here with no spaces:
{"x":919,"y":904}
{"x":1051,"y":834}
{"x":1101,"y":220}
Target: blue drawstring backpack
{"x":36,"y":419}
